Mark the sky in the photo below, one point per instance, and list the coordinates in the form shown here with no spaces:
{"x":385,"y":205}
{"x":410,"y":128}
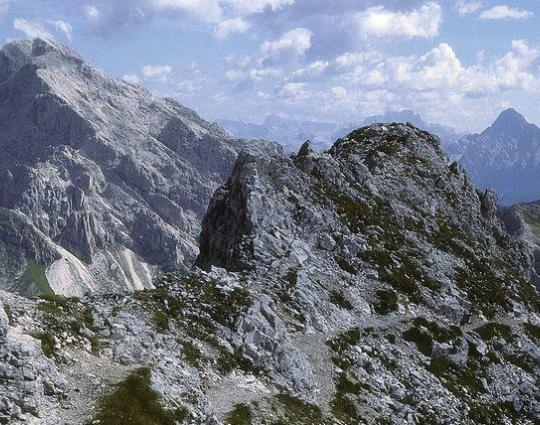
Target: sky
{"x":456,"y":62}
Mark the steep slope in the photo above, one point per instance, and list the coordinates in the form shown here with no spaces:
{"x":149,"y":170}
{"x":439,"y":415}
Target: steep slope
{"x":506,"y":157}
{"x":102,"y":184}
{"x":370,"y":284}
{"x":523,"y":222}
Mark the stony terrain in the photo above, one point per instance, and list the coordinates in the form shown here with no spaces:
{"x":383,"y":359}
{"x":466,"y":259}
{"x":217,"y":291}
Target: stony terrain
{"x":369,"y":284}
{"x":102,"y":184}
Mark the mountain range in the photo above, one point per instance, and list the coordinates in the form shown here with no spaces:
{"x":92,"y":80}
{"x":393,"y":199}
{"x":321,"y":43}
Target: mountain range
{"x":289,"y":133}
{"x":292,"y":134}
{"x":156,"y":270}
{"x":506,"y":156}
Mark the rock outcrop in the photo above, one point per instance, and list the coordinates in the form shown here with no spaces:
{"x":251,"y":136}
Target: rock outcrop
{"x":523,"y":222}
{"x":396,"y":269}
{"x":102,"y":185}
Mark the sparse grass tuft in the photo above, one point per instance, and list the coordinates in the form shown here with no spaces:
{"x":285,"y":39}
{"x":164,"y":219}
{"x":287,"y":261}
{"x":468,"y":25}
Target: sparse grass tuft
{"x":134,"y":402}
{"x":338,"y":298}
{"x":191,"y":353}
{"x":386,"y":301}
{"x":34,"y":281}
{"x":291,"y":277}
{"x":496,"y":330}
{"x":47,"y":343}
{"x":240,"y":415}
{"x":161,"y":320}
{"x":533,"y":331}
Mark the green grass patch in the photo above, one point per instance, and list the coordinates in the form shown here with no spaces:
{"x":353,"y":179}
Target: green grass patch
{"x":34,"y":280}
{"x":47,"y":343}
{"x":297,"y":411}
{"x":456,"y":377}
{"x":346,"y":266}
{"x":240,"y":415}
{"x":345,"y":340}
{"x":491,"y":414}
{"x":338,"y":298}
{"x":424,"y":332}
{"x":54,"y":304}
{"x":291,"y":277}
{"x":161,"y":321}
{"x":533,"y":331}
{"x":134,"y":402}
{"x":386,"y":301}
{"x":191,"y":353}
{"x":9,"y":314}
{"x":344,"y":408}
{"x":493,"y":330}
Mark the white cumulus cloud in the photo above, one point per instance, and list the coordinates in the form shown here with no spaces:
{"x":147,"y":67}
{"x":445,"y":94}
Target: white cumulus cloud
{"x":132,"y":79}
{"x":381,"y":22}
{"x":63,"y":27}
{"x":157,"y":72}
{"x":292,"y":44}
{"x":229,"y":26}
{"x":466,"y":7}
{"x":205,"y":10}
{"x":505,"y":12}
{"x":257,"y":6}
{"x":31,"y":29}
{"x":92,"y":12}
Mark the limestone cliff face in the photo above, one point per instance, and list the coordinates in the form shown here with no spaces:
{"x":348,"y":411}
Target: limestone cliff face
{"x":111,"y":182}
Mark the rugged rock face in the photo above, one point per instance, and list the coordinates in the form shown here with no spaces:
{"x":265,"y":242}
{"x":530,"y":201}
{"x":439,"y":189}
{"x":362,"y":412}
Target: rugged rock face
{"x":523,"y":222}
{"x":101,"y":183}
{"x":395,"y":262}
{"x":370,"y":284}
{"x":28,"y":377}
{"x":505,"y":157}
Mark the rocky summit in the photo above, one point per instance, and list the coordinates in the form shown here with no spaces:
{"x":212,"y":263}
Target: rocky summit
{"x":102,"y":185}
{"x":371,"y":284}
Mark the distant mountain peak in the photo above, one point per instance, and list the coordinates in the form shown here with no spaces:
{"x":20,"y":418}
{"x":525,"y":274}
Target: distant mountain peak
{"x":509,"y":120}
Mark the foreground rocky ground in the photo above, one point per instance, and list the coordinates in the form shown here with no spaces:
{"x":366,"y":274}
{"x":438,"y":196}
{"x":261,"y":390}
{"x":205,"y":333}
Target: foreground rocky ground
{"x":370,"y":284}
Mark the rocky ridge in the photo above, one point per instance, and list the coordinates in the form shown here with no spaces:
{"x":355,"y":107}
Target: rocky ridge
{"x":102,"y":185}
{"x":370,"y":284}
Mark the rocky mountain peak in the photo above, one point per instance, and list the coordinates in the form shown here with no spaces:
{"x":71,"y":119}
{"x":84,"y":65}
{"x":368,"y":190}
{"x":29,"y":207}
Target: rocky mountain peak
{"x":392,"y":140}
{"x":505,"y":157}
{"x":380,"y":235}
{"x":40,"y":52}
{"x":509,"y":122}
